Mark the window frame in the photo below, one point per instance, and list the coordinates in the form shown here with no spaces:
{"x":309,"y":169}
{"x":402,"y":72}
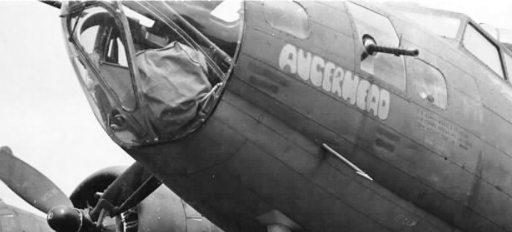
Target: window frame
{"x":359,"y":47}
{"x":505,"y":65}
{"x":464,"y":21}
{"x":267,"y":10}
{"x":188,"y":39}
{"x":119,"y":19}
{"x":442,"y":77}
{"x":492,"y":41}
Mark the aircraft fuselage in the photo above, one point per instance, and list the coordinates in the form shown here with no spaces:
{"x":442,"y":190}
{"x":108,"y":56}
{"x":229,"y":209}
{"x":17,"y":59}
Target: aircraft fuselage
{"x":437,"y":165}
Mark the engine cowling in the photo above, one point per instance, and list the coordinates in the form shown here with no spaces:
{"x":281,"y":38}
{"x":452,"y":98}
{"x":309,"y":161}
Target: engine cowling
{"x":162,"y":210}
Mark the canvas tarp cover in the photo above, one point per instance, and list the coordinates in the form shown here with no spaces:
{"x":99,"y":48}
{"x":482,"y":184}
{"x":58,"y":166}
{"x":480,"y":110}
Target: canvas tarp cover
{"x":173,"y":81}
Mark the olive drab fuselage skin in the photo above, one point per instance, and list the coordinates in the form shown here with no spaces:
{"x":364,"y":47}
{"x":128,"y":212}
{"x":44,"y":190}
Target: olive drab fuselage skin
{"x":434,"y":167}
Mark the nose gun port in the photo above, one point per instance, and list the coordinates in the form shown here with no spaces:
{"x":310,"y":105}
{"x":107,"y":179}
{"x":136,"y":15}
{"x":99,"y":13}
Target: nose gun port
{"x":371,"y":48}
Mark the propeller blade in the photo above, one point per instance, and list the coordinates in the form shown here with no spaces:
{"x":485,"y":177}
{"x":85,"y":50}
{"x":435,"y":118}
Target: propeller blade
{"x":30,"y":184}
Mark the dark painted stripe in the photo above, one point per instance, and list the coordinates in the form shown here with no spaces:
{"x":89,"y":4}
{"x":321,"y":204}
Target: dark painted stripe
{"x":385,"y":145}
{"x":264,"y":84}
{"x":262,"y":71}
{"x":388,"y":134}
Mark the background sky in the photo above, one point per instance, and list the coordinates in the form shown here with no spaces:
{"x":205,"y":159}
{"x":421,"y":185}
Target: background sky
{"x":44,"y":116}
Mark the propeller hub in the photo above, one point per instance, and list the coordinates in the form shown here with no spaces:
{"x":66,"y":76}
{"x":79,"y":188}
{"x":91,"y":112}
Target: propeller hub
{"x":64,"y":219}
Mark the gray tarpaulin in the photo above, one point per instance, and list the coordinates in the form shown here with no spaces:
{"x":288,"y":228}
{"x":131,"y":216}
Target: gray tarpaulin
{"x":173,"y":80}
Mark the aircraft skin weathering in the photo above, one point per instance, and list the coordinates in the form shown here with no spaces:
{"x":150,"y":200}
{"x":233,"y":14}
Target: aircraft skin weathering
{"x":357,"y":116}
{"x":433,"y":169}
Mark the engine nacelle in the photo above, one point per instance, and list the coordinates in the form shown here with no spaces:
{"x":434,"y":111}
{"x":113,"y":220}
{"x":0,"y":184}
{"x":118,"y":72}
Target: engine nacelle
{"x":162,"y":210}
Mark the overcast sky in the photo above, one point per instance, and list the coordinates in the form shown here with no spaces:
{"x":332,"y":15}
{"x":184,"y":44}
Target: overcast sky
{"x":44,"y":116}
{"x":495,"y":12}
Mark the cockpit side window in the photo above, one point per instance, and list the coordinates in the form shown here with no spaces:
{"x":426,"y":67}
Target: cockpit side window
{"x":483,"y":49}
{"x":387,"y":68}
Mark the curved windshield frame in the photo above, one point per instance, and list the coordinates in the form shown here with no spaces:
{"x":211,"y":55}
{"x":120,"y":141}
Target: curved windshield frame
{"x":201,"y":26}
{"x":177,"y":60}
{"x":101,"y":55}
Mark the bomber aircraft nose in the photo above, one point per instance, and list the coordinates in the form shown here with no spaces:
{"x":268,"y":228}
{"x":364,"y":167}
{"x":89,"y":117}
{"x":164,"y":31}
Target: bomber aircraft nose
{"x":152,"y":79}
